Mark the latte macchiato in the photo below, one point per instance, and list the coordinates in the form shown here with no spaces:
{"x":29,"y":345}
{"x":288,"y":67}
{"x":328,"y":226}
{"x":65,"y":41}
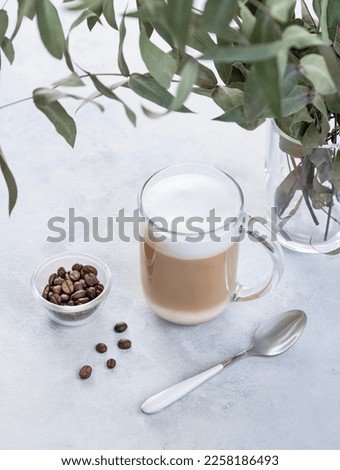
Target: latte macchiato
{"x":188,"y":277}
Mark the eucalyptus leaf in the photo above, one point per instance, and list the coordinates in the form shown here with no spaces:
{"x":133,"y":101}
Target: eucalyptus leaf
{"x":121,"y":59}
{"x":315,"y":69}
{"x":228,"y":98}
{"x":237,"y":115}
{"x":297,"y":37}
{"x":205,"y":76}
{"x":281,"y":10}
{"x":64,"y":124}
{"x":25,"y":8}
{"x":146,"y":87}
{"x":50,"y":28}
{"x":10,"y":182}
{"x":336,"y":171}
{"x":109,"y":14}
{"x":267,"y":72}
{"x":251,"y":53}
{"x":178,"y":14}
{"x":286,"y":190}
{"x":82,"y":17}
{"x":3,"y":24}
{"x":188,"y":79}
{"x":218,"y":14}
{"x":8,"y":50}
{"x":161,"y":66}
{"x":333,"y":17}
{"x":306,"y":14}
{"x":296,"y":100}
{"x":333,"y":65}
{"x":72,"y":80}
{"x":248,"y":20}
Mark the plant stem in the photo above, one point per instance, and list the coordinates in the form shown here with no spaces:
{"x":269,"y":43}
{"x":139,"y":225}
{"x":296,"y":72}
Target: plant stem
{"x":16,"y":102}
{"x":329,"y":216}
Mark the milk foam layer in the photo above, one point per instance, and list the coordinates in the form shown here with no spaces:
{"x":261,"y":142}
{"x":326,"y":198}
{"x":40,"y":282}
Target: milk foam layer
{"x":187,"y":196}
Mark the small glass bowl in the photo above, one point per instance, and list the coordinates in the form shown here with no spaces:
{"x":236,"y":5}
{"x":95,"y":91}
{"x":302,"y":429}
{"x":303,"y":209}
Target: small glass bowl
{"x":67,"y":314}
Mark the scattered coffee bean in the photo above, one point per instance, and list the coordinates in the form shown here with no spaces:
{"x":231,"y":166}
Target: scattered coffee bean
{"x":91,"y":279}
{"x":111,"y":363}
{"x":56,"y":290}
{"x":77,"y":267}
{"x":58,"y":281}
{"x":61,"y":272}
{"x":85,"y":372}
{"x":55,"y":299}
{"x":74,"y":275}
{"x":101,"y":347}
{"x":51,"y":279}
{"x":75,"y":287}
{"x":46,"y":291}
{"x":67,"y":287}
{"x":120,"y":327}
{"x":124,"y":343}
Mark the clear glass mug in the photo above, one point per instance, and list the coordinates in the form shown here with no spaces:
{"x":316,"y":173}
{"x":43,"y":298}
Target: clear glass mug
{"x":189,"y":271}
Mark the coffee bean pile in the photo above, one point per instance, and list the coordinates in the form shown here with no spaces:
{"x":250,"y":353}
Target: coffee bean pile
{"x":78,"y":286}
{"x":124,"y":343}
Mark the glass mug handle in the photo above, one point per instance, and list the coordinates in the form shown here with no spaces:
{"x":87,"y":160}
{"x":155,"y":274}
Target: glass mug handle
{"x":273,"y":248}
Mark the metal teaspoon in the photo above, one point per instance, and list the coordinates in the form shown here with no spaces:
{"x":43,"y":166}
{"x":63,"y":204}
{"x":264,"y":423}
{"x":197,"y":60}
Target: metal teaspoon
{"x":273,"y":337}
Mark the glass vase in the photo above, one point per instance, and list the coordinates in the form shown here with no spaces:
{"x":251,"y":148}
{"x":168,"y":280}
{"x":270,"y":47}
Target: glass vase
{"x":303,"y":193}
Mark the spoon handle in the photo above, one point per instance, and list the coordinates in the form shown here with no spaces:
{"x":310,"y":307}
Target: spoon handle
{"x":170,"y":395}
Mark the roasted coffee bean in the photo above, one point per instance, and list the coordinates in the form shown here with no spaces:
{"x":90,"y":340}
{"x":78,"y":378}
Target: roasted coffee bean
{"x":90,"y":269}
{"x":55,"y":299}
{"x":85,"y":372}
{"x":124,"y":343}
{"x":120,"y":327}
{"x":99,"y":289}
{"x":46,"y":291}
{"x":77,"y":267}
{"x":67,"y":276}
{"x":91,"y":279}
{"x":61,"y":272}
{"x":78,"y":295}
{"x":83,"y":300}
{"x":74,"y":275}
{"x":101,"y":348}
{"x":50,"y":295}
{"x":67,"y":287}
{"x":91,"y":292}
{"x":51,"y":279}
{"x":111,"y":363}
{"x":79,"y":285}
{"x":70,"y":303}
{"x":65,"y":298}
{"x":58,"y":281}
{"x":56,"y":290}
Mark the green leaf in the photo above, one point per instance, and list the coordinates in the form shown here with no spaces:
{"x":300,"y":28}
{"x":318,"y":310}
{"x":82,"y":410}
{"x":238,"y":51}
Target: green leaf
{"x":281,"y":10}
{"x":286,"y":190}
{"x":63,"y":122}
{"x":71,"y":80}
{"x":3,"y":24}
{"x":106,"y":91}
{"x":8,"y":49}
{"x":83,"y":16}
{"x":228,"y":98}
{"x":10,"y":182}
{"x":161,"y":66}
{"x":248,"y":20}
{"x":98,"y":94}
{"x":251,"y":53}
{"x":121,"y":60}
{"x":237,"y":115}
{"x":218,"y":14}
{"x":205,"y":76}
{"x":25,"y":8}
{"x":333,"y":17}
{"x":50,"y":28}
{"x":315,"y":69}
{"x":299,"y":38}
{"x":336,"y":171}
{"x":296,"y":100}
{"x":178,"y":14}
{"x":188,"y":79}
{"x":255,"y":103}
{"x":267,"y":73}
{"x":300,"y":118}
{"x":333,"y":64}
{"x":306,"y":14}
{"x":109,"y":14}
{"x":93,"y":20}
{"x":146,"y":87}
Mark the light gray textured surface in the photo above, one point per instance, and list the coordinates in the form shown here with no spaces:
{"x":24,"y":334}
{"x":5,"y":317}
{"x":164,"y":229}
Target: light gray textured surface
{"x":287,"y":402}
